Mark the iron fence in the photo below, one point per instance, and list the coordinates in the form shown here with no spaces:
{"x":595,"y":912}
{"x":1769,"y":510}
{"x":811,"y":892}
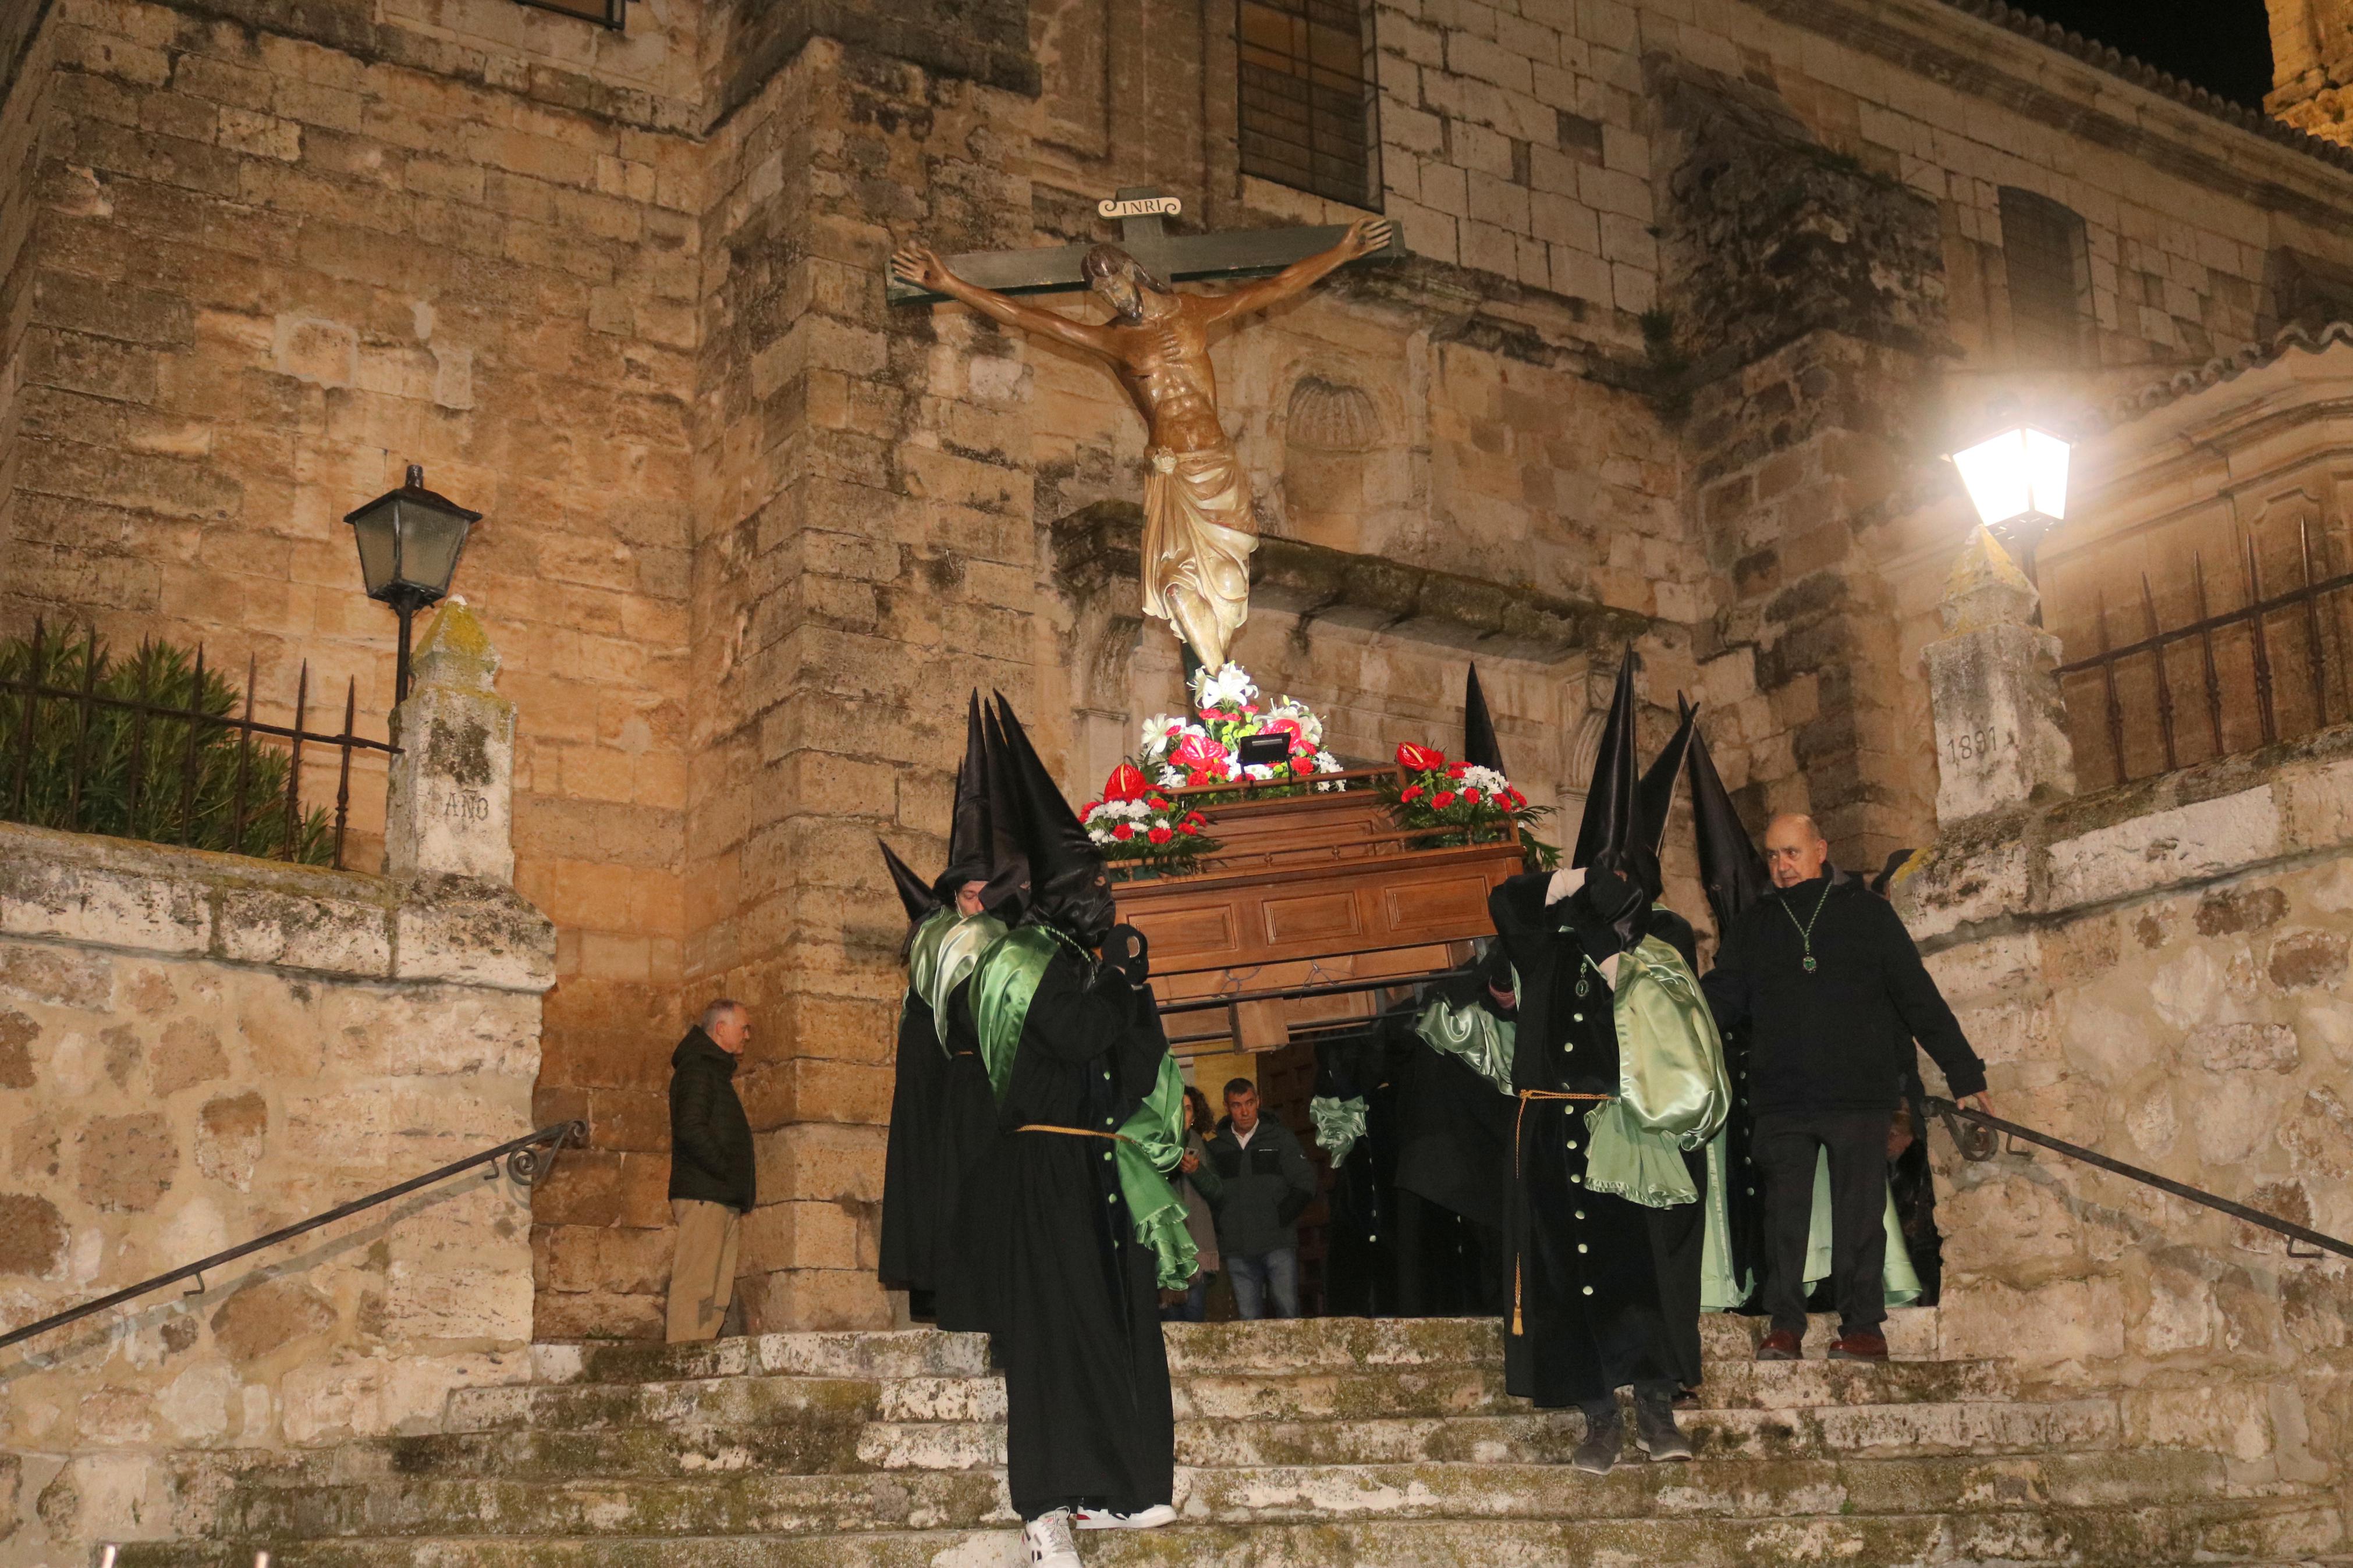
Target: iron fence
{"x":160,"y":748}
{"x":2261,"y":672}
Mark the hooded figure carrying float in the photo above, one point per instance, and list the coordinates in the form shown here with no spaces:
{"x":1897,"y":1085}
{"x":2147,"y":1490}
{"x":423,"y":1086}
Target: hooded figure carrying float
{"x":941,"y":1114}
{"x":1070,"y":1228}
{"x":1620,"y":1082}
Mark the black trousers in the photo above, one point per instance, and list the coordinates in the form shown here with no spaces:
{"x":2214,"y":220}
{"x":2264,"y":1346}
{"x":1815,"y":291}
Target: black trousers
{"x":1784,"y":1147}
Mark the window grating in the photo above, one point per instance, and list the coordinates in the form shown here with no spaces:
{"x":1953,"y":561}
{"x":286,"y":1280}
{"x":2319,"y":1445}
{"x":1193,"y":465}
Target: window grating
{"x":1309,"y":115}
{"x":2049,"y":272}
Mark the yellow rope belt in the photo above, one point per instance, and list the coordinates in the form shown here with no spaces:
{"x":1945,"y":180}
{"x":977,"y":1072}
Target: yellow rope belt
{"x":1518,"y":1117}
{"x":1074,"y":1131}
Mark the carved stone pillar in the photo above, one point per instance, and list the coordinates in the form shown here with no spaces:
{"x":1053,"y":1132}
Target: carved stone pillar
{"x":2001,"y":729}
{"x":451,"y":805}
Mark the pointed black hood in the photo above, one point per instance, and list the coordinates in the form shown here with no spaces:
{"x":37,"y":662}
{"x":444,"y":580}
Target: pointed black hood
{"x":1613,"y":834}
{"x":1658,"y":787}
{"x":968,"y":830}
{"x":1007,"y":894}
{"x":920,"y":900}
{"x":1480,"y":748}
{"x":1729,"y":867}
{"x":1068,"y":885}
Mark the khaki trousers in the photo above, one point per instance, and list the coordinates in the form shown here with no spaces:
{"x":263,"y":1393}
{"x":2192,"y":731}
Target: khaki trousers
{"x":702,"y":1272}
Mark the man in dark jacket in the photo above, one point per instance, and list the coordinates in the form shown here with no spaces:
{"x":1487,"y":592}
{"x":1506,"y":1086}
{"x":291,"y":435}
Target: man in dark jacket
{"x":1267,"y":1183}
{"x":1825,"y":981}
{"x":711,"y":1180}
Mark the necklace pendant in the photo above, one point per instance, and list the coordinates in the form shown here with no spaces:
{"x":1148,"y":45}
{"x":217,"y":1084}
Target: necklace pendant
{"x":1583,"y":985}
{"x":1809,"y":963}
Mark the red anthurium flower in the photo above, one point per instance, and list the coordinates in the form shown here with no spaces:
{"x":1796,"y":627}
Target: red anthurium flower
{"x":1126,"y":783}
{"x":1420,"y":759}
{"x":1160,"y":835}
{"x":1122,"y":830}
{"x":1196,"y":752}
{"x":1442,"y":799}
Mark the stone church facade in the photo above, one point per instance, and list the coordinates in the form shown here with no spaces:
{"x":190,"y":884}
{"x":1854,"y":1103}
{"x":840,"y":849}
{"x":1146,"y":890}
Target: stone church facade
{"x":1701,"y":291}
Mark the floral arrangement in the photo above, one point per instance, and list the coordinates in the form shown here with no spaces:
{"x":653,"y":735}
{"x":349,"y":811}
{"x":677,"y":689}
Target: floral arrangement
{"x":1436,"y":793}
{"x":1135,"y":823}
{"x":1178,"y":752}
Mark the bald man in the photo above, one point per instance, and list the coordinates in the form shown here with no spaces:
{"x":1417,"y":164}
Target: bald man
{"x":1825,"y":981}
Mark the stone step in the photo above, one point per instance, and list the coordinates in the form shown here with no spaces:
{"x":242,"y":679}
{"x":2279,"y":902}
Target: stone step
{"x":1320,"y":1343}
{"x":1278,"y":1393}
{"x":1979,"y":1429}
{"x":765,"y":1504}
{"x":2275,"y":1529}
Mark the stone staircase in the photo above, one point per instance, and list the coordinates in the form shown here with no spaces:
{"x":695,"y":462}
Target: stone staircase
{"x":1371,"y":1443}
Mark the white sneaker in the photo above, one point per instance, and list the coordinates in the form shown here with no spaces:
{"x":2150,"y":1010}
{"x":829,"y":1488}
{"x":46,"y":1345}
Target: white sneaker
{"x":1152,"y":1518}
{"x":1047,"y":1537}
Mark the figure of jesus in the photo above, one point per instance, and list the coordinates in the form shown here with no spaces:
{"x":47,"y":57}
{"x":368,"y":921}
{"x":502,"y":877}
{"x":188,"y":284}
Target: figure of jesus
{"x":1197,"y":524}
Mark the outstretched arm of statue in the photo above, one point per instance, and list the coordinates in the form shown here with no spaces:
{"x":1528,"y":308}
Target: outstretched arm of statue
{"x":921,"y":265}
{"x":1365,"y":235}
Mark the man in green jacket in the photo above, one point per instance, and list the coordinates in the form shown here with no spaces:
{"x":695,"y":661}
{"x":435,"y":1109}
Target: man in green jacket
{"x":713,"y":1182}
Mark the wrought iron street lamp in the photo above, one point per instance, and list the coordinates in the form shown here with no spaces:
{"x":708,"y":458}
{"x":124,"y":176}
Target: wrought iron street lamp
{"x":2017,"y":480}
{"x":409,"y":542}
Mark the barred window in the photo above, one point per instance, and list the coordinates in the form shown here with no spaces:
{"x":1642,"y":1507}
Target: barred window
{"x":1309,"y":117}
{"x":2049,"y":271}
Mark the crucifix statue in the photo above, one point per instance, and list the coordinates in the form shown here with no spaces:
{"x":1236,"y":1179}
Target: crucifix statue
{"x":1199,"y":528}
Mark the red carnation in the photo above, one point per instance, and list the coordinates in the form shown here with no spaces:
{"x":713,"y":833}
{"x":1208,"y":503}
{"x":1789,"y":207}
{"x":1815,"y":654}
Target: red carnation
{"x":1457,"y":769}
{"x":1412,"y":793}
{"x":1470,"y":797}
{"x":1442,"y":799}
{"x":1123,"y":830}
{"x":1420,"y":759}
{"x":1188,"y":830}
{"x":1160,"y":835}
{"x":1089,"y":809}
{"x":1126,"y":783}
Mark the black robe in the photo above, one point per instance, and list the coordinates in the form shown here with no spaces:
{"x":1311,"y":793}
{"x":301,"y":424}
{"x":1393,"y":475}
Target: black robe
{"x":1454,"y":1160}
{"x":1360,"y":1257}
{"x":1070,"y":1296}
{"x":942,"y":1122}
{"x":1605,"y":1293}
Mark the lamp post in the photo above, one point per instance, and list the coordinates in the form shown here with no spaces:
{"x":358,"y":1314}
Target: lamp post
{"x":409,"y":542}
{"x":2017,"y":480}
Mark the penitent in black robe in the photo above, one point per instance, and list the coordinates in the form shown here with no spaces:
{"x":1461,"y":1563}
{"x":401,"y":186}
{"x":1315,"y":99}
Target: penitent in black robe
{"x":943,"y":1119}
{"x":1605,"y":1293}
{"x":1453,"y":1136}
{"x":1070,"y":1296}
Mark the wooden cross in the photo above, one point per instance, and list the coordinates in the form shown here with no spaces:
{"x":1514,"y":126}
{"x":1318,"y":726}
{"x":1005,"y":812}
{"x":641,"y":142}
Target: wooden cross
{"x":1143,"y":234}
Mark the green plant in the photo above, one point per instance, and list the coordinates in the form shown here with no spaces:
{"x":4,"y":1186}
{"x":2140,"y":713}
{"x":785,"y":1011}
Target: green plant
{"x":136,"y":778}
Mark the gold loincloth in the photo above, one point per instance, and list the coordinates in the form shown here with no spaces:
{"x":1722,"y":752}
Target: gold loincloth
{"x":1197,"y":541}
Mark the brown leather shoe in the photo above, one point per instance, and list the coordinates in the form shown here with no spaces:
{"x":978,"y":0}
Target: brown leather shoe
{"x":1781,"y":1345}
{"x":1858,"y":1347}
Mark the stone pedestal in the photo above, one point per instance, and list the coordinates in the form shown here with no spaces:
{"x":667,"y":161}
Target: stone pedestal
{"x":450,"y":809}
{"x":2001,"y":730}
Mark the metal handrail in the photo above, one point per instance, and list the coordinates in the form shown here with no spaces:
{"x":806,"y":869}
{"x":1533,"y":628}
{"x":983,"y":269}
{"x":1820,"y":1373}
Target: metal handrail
{"x":525,"y":1167}
{"x":1984,"y":1147}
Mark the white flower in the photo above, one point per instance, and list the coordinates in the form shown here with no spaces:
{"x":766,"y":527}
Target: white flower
{"x":1160,"y":731}
{"x":1100,"y":835}
{"x":1325,"y":762}
{"x":1258,"y":771}
{"x":1229,"y":685}
{"x":1486,"y":779}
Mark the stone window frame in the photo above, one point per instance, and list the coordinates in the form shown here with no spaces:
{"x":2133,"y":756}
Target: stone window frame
{"x":1277,"y":80}
{"x":2047,"y":271}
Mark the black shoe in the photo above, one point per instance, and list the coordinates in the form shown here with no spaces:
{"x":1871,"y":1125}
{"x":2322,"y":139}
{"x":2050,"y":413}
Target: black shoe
{"x":1655,"y":1432}
{"x":1605,"y":1437}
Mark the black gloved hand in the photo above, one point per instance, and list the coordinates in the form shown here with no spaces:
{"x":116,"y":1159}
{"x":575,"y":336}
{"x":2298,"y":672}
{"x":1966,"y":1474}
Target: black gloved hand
{"x":1129,"y":950}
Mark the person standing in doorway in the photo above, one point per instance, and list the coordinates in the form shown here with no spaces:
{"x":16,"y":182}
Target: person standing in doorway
{"x":1197,"y":1185}
{"x":1265,"y":1183}
{"x":713,"y":1182}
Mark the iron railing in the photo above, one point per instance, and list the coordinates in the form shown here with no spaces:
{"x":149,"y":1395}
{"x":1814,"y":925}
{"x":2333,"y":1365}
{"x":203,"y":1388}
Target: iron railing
{"x":142,"y":750}
{"x":2278,"y":689}
{"x":1982,"y":1140}
{"x":526,"y":1167}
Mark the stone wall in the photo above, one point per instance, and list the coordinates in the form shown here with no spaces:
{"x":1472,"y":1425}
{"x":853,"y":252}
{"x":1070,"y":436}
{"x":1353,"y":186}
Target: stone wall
{"x":2155,"y":974}
{"x":198,"y":1049}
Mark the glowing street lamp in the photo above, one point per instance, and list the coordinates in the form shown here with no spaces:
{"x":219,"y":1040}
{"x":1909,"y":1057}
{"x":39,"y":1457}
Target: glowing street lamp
{"x":2017,"y":480}
{"x":409,"y":542}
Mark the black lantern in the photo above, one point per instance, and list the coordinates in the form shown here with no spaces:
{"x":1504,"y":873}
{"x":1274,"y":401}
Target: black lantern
{"x":409,"y":542}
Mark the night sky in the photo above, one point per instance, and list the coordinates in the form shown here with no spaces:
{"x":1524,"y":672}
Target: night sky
{"x":2223,"y":46}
